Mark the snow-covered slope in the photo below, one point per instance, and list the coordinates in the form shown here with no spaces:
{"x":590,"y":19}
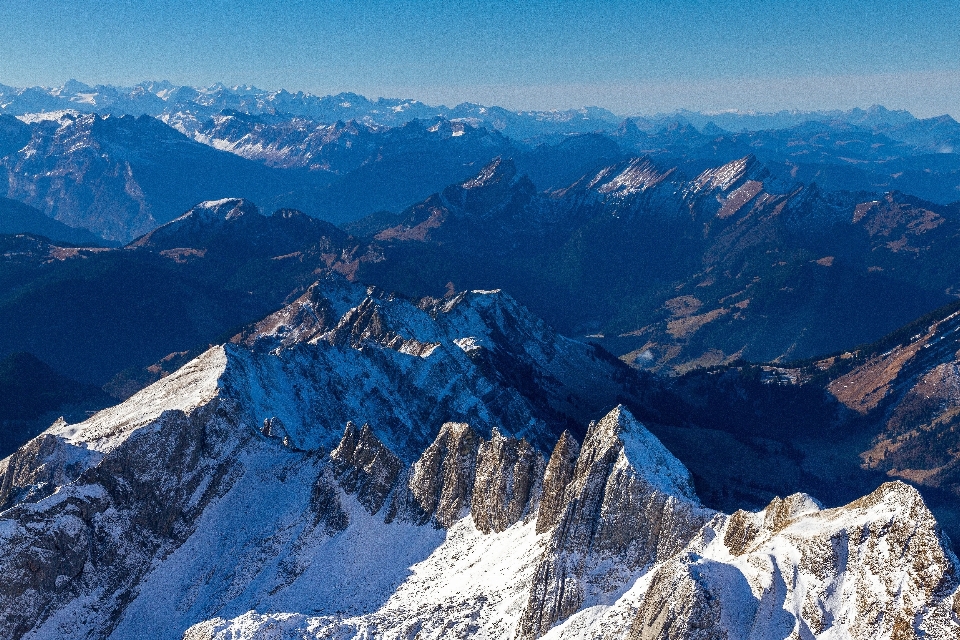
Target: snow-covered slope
{"x":238,"y":498}
{"x":876,"y":568}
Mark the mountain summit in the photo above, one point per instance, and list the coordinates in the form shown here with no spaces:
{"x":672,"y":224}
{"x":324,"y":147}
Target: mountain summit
{"x":238,"y":497}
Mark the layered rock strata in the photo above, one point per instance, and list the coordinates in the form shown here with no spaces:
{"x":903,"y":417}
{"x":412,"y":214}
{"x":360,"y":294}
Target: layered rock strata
{"x":228,"y":500}
{"x":365,"y":467}
{"x":507,"y":483}
{"x":628,"y":504}
{"x":439,"y":486}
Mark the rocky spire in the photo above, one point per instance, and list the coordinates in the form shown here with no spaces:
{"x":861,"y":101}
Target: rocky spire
{"x":508,"y":479}
{"x":439,"y":485}
{"x":558,"y":475}
{"x":365,"y":467}
{"x":628,"y":498}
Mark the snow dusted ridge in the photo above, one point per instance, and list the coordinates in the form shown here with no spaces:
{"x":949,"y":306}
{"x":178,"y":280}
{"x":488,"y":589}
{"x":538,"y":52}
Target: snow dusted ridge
{"x":724,"y":177}
{"x":634,"y":176}
{"x":239,"y":498}
{"x":192,"y":386}
{"x":876,"y":568}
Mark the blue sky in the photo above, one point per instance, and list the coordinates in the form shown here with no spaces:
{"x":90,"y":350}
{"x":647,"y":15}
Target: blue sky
{"x":632,"y":57}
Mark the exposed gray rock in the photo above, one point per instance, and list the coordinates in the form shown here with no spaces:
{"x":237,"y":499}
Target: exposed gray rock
{"x":439,"y":485}
{"x":679,"y":605}
{"x":366,"y":323}
{"x":172,"y":509}
{"x":273,"y":428}
{"x":629,"y":500}
{"x":306,"y":317}
{"x":365,"y":467}
{"x":508,"y":480}
{"x":744,"y":528}
{"x":36,"y":469}
{"x":341,"y":352}
{"x":98,"y":534}
{"x":559,"y":472}
{"x":328,"y":514}
{"x":877,"y":568}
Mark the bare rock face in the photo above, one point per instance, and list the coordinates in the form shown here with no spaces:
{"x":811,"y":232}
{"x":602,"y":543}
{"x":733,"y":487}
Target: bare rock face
{"x":39,"y":467}
{"x":875,"y":568}
{"x":509,"y":473}
{"x":325,"y":510}
{"x":559,"y":472}
{"x":273,"y":428}
{"x":679,"y":605}
{"x":176,"y":510}
{"x":439,"y":486}
{"x":305,"y":318}
{"x":365,"y":467}
{"x":99,"y":533}
{"x":366,"y":323}
{"x":629,"y":499}
{"x":744,"y":528}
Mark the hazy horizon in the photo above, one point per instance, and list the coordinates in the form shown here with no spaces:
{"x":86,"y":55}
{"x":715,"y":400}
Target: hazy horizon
{"x":630,"y":57}
{"x":561,"y":104}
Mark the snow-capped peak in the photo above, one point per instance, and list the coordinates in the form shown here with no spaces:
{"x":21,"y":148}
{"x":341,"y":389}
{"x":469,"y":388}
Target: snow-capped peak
{"x":637,"y":176}
{"x":498,"y":171}
{"x":645,"y":453}
{"x":225,"y":208}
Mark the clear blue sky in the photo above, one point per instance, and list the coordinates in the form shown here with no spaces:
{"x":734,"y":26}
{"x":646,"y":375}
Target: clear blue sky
{"x":632,"y":57}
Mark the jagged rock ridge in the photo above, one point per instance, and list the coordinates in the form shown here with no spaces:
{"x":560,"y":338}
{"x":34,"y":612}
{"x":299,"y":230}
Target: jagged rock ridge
{"x":709,"y":575}
{"x":224,"y":501}
{"x":746,"y":246}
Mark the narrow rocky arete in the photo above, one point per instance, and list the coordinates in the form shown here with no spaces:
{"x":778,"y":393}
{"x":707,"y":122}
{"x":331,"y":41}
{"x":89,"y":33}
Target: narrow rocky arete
{"x":238,"y":497}
{"x":876,"y":568}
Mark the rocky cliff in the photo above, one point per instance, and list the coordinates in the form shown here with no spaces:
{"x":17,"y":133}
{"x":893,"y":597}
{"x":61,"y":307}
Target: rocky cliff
{"x":237,"y":498}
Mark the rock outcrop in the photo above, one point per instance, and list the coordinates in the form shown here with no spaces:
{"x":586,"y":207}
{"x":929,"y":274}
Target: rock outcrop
{"x":878,"y":567}
{"x":39,"y":467}
{"x":341,"y":352}
{"x":508,"y":481}
{"x":439,"y":486}
{"x":558,"y":474}
{"x":630,"y":500}
{"x":365,"y":467}
{"x":99,"y":533}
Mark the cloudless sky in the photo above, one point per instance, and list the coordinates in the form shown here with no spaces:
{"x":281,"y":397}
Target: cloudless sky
{"x":629,"y":56}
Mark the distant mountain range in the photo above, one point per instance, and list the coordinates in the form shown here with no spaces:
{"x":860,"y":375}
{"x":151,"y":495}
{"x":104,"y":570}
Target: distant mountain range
{"x":121,"y":161}
{"x":123,"y":176}
{"x":678,"y":270}
{"x":187,"y":104}
{"x":197,"y":103}
{"x":669,"y":270}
